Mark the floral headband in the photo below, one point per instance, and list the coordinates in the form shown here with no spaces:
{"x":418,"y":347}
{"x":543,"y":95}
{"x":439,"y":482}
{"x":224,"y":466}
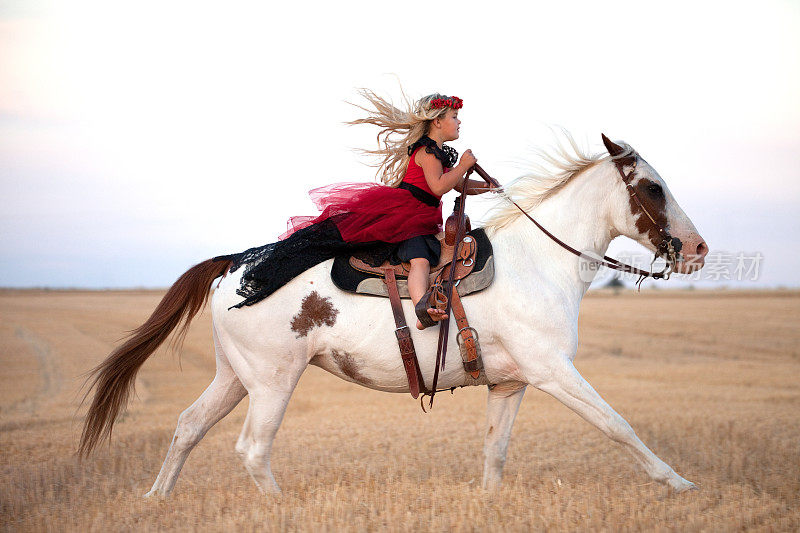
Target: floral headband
{"x":452,"y":101}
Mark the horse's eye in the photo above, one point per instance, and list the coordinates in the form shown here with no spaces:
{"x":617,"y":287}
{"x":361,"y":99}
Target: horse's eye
{"x":655,"y":190}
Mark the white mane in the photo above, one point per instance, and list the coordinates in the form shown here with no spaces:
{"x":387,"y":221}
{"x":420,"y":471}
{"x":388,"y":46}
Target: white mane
{"x":555,"y":169}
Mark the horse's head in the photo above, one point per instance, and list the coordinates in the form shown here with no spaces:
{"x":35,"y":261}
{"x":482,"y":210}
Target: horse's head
{"x":651,"y":216}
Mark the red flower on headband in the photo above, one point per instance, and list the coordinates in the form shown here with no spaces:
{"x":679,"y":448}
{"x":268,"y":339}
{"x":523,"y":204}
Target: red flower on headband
{"x":453,"y":101}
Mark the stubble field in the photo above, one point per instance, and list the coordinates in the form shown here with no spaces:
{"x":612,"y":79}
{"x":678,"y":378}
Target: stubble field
{"x":708,"y":380}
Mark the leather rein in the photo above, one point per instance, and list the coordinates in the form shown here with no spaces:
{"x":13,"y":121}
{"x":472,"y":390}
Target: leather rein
{"x":668,"y":247}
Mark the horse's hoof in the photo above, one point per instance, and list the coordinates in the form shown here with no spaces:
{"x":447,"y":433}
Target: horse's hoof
{"x":682,"y":485}
{"x":154,"y":495}
{"x":491,"y":485}
{"x":270,"y":490}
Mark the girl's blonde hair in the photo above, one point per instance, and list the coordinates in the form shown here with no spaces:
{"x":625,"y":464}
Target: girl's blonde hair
{"x":399,"y":130}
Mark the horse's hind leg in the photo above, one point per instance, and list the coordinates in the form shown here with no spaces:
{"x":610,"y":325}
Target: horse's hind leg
{"x":501,"y":410}
{"x":268,"y":401}
{"x":221,"y":396}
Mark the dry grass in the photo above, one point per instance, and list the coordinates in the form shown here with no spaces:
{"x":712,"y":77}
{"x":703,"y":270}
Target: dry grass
{"x":709,"y":381}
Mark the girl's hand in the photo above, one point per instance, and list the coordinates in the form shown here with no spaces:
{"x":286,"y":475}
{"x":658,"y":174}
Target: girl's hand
{"x":467,"y":159}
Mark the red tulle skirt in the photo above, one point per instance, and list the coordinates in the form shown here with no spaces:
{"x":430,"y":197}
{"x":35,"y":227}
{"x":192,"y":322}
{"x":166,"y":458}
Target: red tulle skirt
{"x":367,"y":212}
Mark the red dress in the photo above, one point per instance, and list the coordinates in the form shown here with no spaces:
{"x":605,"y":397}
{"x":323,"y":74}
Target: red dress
{"x":356,"y":218}
{"x":369,"y":212}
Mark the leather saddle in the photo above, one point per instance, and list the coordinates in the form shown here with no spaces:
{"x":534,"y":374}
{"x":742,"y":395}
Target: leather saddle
{"x":474,"y":269}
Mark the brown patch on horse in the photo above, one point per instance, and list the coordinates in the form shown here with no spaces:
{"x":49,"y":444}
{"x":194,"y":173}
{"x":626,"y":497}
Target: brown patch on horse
{"x":656,"y":204}
{"x":650,"y":194}
{"x":314,"y":311}
{"x":348,"y":366}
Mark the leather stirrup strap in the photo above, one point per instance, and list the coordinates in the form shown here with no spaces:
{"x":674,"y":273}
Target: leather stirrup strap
{"x":444,"y":325}
{"x":470,"y":356}
{"x":407,"y":352}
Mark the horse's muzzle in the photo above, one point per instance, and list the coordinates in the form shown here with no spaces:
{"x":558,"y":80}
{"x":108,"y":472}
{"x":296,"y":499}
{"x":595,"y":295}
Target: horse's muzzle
{"x":694,"y":256}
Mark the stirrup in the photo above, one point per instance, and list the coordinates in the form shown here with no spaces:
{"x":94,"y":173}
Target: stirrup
{"x":435,"y":299}
{"x":421,"y":309}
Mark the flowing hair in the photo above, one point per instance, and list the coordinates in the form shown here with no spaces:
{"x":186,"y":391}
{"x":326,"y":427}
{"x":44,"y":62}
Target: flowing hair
{"x":399,"y":129}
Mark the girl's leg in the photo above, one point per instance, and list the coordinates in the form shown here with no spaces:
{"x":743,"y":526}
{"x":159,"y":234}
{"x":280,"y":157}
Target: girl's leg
{"x":418,"y":285}
{"x":418,"y":278}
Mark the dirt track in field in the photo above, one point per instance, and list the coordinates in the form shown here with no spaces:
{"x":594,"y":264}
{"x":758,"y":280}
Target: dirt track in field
{"x":708,"y":380}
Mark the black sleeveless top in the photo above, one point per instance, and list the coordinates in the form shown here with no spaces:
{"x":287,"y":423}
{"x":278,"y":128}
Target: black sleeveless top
{"x":447,"y":155}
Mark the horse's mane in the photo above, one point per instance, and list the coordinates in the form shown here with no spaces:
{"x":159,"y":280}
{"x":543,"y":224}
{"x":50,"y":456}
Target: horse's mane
{"x":548,"y":176}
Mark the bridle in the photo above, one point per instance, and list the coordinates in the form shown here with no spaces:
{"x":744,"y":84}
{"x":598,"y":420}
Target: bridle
{"x":669,"y":247}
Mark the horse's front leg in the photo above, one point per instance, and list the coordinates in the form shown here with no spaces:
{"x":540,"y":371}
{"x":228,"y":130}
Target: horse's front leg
{"x":501,"y":410}
{"x":568,"y":386}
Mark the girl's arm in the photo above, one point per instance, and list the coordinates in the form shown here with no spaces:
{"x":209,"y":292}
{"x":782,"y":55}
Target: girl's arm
{"x":439,"y":181}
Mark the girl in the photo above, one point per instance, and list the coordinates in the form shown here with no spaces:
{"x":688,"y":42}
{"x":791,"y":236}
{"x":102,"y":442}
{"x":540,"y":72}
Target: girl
{"x":397,"y":220}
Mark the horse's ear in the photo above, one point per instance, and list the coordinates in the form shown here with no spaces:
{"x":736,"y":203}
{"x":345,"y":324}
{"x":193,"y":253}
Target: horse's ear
{"x":613,"y":149}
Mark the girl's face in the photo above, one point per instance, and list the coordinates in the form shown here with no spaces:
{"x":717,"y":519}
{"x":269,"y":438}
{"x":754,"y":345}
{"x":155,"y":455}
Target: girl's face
{"x":449,"y":124}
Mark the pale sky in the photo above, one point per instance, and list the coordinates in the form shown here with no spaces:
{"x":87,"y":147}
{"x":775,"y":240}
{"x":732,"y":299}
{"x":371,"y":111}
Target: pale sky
{"x":137,"y":139}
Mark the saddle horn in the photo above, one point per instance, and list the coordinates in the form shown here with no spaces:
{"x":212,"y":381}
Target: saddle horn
{"x":613,"y":149}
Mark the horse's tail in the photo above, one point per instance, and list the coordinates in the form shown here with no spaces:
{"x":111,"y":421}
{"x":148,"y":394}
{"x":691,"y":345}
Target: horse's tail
{"x":114,"y":378}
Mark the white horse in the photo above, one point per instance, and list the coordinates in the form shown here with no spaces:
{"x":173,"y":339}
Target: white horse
{"x":527,"y":319}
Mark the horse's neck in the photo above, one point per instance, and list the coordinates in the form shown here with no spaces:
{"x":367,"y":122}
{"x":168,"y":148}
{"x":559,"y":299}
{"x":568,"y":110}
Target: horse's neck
{"x":579,"y":215}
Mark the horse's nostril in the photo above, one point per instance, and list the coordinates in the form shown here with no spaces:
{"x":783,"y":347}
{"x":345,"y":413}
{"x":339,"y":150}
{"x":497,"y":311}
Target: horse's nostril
{"x":702,"y":249}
